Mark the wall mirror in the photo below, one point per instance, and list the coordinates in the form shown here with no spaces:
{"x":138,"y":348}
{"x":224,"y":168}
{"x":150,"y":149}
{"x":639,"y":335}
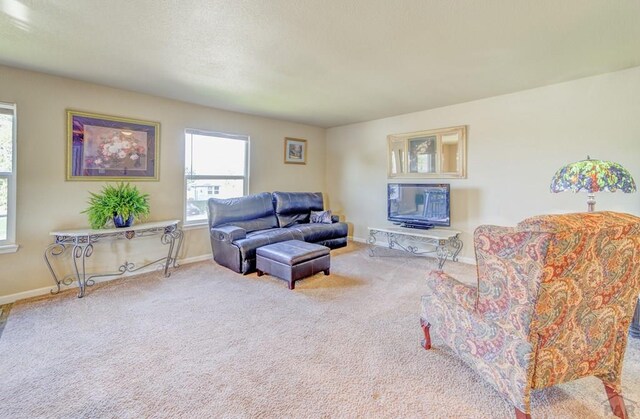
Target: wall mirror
{"x":438,"y":153}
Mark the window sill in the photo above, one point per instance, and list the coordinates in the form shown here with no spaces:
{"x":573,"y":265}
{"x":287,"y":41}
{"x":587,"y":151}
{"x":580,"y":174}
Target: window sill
{"x":9,"y":248}
{"x":195,"y":226}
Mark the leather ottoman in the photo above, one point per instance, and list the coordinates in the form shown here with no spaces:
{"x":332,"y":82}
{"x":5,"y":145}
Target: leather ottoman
{"x":292,"y":260}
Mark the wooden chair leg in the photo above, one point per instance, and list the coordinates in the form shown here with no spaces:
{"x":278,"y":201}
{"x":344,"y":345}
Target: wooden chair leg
{"x":616,"y":402}
{"x":426,"y":343}
{"x":521,"y":415}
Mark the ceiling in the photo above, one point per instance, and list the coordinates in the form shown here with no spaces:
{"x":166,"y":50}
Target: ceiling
{"x":321,"y":62}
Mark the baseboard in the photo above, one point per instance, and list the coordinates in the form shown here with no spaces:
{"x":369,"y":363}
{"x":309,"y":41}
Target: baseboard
{"x":11,"y":298}
{"x":467,"y":260}
{"x":194,"y":259}
{"x":462,"y":259}
{"x":357,"y":239}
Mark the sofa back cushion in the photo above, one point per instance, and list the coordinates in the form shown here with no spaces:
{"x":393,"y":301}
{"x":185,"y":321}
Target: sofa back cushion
{"x":295,"y":207}
{"x":253,"y":212}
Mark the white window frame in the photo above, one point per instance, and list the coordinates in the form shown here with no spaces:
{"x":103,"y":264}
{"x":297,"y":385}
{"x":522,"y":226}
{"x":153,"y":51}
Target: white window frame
{"x":9,"y":245}
{"x":187,"y":137}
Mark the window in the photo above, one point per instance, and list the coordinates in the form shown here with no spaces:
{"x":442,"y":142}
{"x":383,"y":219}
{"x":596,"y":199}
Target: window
{"x":216,"y":165}
{"x":7,"y":177}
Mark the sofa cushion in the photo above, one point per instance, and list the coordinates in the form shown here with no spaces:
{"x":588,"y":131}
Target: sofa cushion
{"x":314,"y":233}
{"x":295,"y":207}
{"x":260,"y":238}
{"x":253,"y":212}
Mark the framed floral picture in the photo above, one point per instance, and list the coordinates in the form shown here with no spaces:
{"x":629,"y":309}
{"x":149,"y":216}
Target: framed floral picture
{"x":295,"y":151}
{"x":102,"y":147}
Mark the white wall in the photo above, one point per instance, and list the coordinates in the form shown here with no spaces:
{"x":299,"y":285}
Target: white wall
{"x":47,"y":202}
{"x":516,"y":143}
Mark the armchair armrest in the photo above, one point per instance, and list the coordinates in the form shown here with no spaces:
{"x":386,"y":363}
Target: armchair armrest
{"x":228,"y":233}
{"x":445,"y":286}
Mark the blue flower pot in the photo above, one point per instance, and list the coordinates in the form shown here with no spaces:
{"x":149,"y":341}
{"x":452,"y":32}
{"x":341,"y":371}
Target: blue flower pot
{"x":119,"y":222}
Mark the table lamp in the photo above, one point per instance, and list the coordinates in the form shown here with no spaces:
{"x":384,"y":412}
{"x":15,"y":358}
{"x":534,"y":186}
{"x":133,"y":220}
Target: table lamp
{"x":592,"y":176}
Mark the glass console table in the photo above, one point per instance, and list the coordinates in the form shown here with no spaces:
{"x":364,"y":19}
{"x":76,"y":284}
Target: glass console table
{"x":80,"y":243}
{"x":443,"y":243}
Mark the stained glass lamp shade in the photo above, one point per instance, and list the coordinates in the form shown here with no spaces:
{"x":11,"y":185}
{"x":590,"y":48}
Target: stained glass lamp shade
{"x":592,"y":176}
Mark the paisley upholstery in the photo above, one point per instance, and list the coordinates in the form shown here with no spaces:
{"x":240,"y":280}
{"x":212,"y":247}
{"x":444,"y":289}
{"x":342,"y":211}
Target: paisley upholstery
{"x":553,"y":303}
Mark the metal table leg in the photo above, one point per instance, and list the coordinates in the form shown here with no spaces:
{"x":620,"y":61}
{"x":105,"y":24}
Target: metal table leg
{"x":82,"y":251}
{"x":169,"y":237}
{"x":53,"y":250}
{"x":456,"y":244}
{"x":372,"y":241}
{"x":443,"y":252}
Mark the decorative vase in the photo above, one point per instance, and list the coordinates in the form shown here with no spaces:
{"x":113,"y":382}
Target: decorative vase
{"x":119,"y":222}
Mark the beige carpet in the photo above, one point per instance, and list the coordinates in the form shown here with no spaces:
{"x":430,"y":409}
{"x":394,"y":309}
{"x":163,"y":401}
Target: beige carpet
{"x":207,"y":342}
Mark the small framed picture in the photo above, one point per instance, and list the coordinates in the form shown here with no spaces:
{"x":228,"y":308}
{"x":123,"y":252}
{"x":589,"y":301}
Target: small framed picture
{"x":295,"y":151}
{"x":103,"y":147}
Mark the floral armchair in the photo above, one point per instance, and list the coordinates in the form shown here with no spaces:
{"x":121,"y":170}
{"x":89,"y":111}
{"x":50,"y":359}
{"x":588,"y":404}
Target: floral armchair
{"x":554,"y":301}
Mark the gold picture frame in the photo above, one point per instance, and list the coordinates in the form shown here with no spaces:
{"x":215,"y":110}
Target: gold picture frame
{"x":295,"y":151}
{"x":111,"y":148}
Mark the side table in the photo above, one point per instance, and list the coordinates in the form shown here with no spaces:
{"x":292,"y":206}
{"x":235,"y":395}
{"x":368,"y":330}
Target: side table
{"x":81,"y":244}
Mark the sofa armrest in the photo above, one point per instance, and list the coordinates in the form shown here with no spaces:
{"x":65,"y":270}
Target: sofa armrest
{"x":228,"y":233}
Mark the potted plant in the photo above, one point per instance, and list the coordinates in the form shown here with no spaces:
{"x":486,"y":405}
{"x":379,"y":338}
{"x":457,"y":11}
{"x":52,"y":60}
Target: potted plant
{"x":120,"y":203}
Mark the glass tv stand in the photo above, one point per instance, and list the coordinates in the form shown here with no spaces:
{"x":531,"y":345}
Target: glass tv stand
{"x":443,"y":243}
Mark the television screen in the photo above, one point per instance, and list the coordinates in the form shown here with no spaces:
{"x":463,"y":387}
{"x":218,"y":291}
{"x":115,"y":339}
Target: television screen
{"x":418,"y":205}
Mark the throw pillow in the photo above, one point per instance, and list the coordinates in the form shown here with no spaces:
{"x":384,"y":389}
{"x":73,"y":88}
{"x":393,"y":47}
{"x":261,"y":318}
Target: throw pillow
{"x":321,"y":217}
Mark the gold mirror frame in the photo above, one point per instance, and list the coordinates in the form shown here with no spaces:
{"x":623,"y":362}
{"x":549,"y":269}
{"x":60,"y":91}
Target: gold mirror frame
{"x":438,"y":153}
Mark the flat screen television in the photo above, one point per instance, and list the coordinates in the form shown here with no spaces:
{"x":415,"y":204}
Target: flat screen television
{"x":419,"y":205}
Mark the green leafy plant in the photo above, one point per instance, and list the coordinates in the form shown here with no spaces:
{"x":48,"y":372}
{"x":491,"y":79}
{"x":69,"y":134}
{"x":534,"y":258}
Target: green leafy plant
{"x":121,"y":199}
